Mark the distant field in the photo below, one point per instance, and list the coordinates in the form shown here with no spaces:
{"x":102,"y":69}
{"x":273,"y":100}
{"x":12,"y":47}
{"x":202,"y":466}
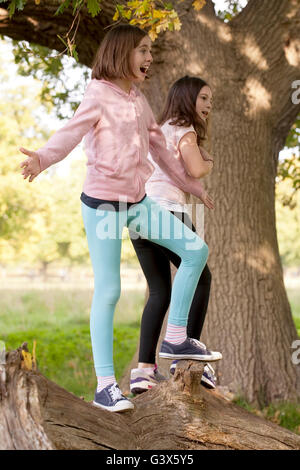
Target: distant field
{"x":294,"y":299}
{"x":59,"y":322}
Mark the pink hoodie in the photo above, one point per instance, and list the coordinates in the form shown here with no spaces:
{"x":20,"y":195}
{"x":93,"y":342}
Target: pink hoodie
{"x":119,"y":130}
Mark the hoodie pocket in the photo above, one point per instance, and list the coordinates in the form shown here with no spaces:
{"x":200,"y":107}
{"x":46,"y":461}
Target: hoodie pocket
{"x":109,"y":163}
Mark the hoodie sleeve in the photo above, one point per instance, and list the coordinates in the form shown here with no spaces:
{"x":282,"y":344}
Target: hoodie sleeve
{"x":69,"y":136}
{"x":162,"y":156}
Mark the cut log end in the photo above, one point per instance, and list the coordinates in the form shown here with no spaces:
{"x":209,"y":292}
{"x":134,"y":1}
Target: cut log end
{"x":180,"y":413}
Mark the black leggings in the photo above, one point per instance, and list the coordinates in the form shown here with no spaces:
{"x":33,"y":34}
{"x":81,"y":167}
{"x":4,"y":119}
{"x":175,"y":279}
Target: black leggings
{"x":155,"y":263}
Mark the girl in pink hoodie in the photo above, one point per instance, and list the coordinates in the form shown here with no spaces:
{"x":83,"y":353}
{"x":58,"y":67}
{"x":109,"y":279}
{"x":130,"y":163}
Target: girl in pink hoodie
{"x":119,"y":129}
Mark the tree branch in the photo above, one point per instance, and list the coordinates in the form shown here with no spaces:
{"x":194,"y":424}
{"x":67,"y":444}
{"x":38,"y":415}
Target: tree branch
{"x":267,"y":45}
{"x":37,"y":24}
{"x":187,"y":5}
{"x":37,"y":414}
{"x":274,"y":28}
{"x":209,"y":8}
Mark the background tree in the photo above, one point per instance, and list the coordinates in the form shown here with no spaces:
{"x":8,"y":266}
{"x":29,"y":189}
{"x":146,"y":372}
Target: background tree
{"x":288,"y":223}
{"x":251,"y":63}
{"x":42,"y":223}
{"x":18,"y":205}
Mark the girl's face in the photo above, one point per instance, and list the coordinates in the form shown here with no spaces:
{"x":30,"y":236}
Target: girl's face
{"x":204,"y":102}
{"x":141,"y":59}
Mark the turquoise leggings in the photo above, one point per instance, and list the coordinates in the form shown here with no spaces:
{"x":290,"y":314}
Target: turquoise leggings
{"x":104,"y":234}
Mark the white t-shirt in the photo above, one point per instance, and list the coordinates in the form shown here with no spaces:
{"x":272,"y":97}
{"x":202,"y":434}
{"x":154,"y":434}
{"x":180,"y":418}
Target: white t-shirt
{"x":162,"y":189}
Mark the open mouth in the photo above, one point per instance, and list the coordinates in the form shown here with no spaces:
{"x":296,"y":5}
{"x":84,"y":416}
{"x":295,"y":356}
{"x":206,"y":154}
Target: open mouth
{"x":144,"y":70}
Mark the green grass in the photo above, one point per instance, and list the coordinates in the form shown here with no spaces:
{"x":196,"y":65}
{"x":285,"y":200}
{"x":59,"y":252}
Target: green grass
{"x":65,"y":356}
{"x":22,"y":310}
{"x":284,"y":414}
{"x":294,"y":299}
{"x":297,"y":323}
{"x":59,"y":322}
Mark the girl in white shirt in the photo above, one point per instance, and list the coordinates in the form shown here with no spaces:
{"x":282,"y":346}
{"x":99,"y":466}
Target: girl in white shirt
{"x":184,"y":124}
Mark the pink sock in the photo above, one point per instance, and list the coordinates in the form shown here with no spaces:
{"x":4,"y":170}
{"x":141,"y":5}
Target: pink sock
{"x":104,"y":381}
{"x":175,"y":334}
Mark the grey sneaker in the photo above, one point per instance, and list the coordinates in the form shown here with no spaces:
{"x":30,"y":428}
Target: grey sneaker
{"x":173,"y":367}
{"x":111,"y":399}
{"x":141,"y":381}
{"x":190,"y":349}
{"x":208,"y":378}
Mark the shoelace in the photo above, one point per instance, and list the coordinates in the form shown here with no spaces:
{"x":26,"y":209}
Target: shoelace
{"x":198,"y":343}
{"x":202,"y":345}
{"x":115,"y":392}
{"x":211,"y":371}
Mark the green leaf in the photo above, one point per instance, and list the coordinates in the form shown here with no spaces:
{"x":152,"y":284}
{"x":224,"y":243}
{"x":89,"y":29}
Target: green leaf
{"x":74,"y":53}
{"x":15,"y":5}
{"x":93,"y":7}
{"x":63,"y":41}
{"x":168,"y":6}
{"x":62,"y":7}
{"x":77,"y":4}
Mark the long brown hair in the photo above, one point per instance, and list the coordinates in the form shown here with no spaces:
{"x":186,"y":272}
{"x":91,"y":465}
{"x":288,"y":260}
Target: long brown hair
{"x":180,"y":106}
{"x":112,"y":59}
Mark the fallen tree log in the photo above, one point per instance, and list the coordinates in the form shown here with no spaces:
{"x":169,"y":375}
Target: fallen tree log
{"x":179,"y":414}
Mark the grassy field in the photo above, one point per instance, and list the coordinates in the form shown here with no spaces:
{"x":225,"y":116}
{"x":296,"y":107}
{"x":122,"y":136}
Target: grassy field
{"x":294,"y":299}
{"x":59,"y":322}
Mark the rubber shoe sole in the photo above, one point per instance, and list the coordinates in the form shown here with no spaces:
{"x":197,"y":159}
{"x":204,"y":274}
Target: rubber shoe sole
{"x":120,"y":406}
{"x":196,"y":357}
{"x":207,"y":383}
{"x":141,"y":387}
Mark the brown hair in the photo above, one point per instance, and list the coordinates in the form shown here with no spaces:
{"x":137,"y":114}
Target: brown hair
{"x":112,"y":59}
{"x":180,"y":106}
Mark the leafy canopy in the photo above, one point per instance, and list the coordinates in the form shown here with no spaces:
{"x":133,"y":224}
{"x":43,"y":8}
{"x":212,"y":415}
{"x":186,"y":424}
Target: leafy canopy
{"x":154,"y":16}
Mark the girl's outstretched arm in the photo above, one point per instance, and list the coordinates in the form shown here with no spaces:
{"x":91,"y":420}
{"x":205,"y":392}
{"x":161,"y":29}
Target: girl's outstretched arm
{"x":66,"y":138}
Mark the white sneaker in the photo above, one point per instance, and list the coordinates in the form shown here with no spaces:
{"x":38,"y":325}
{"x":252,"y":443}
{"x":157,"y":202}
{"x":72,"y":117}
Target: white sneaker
{"x":141,"y":380}
{"x":111,"y":399}
{"x":191,"y":348}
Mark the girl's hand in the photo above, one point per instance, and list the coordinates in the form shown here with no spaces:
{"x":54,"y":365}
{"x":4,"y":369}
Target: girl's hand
{"x":207,"y":201}
{"x":31,"y":165}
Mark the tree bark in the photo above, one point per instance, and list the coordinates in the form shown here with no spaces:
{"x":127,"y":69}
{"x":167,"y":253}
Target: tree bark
{"x":247,"y":64}
{"x":37,"y":414}
{"x":250,"y":64}
{"x":37,"y":24}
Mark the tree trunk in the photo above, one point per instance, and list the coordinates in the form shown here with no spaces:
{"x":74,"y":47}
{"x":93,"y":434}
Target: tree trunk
{"x":44,"y":270}
{"x":180,"y":414}
{"x":249,"y":318}
{"x":250,"y":63}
